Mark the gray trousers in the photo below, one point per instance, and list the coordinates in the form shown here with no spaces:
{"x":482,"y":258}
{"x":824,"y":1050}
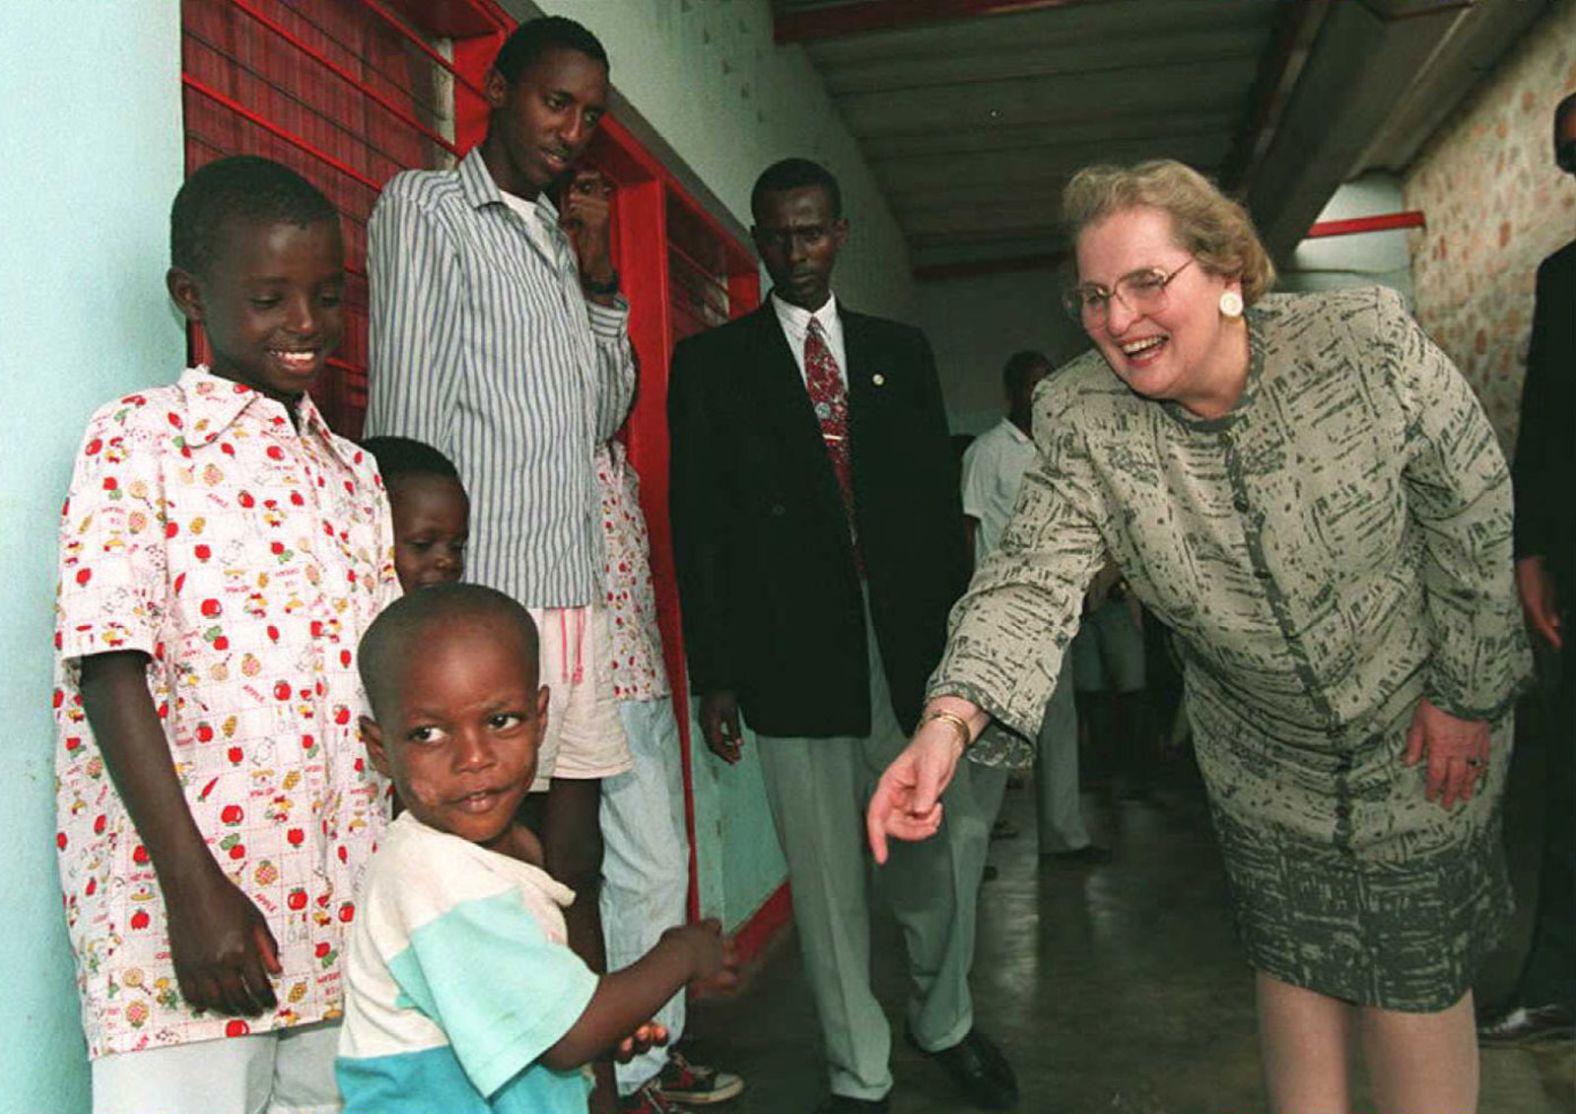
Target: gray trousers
{"x":1058,"y":809}
{"x":817,"y":790}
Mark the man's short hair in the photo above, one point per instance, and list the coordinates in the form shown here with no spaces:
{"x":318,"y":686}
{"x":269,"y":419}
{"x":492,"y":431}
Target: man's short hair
{"x":1564,"y":109}
{"x":1018,"y":367}
{"x":793,"y":174}
{"x":535,"y":37}
{"x":402,"y":456}
{"x":243,"y":187}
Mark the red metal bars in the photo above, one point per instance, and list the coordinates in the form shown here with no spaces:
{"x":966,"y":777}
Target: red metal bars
{"x":698,"y":267}
{"x":345,"y":75}
{"x":420,"y":44}
{"x":274,"y":129}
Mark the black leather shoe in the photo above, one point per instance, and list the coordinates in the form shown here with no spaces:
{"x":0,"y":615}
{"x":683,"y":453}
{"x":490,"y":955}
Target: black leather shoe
{"x":843,"y":1104}
{"x":979,"y":1069}
{"x":1527,"y":1025}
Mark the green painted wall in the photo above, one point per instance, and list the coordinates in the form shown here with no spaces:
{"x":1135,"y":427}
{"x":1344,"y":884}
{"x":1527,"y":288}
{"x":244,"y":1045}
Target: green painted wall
{"x":90,"y":121}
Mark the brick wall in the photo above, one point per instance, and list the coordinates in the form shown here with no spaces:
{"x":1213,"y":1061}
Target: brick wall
{"x":1496,"y":205}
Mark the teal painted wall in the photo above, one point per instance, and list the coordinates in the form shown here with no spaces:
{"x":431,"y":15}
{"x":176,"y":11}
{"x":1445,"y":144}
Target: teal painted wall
{"x":738,"y":861}
{"x":90,"y":120}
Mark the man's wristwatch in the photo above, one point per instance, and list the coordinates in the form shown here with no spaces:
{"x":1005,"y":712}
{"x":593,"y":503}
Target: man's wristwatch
{"x":601,"y":289}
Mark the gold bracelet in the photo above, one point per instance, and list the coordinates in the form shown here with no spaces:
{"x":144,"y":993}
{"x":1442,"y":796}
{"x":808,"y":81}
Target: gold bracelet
{"x":955,"y":720}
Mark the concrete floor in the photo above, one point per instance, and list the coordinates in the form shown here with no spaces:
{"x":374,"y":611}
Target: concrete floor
{"x":1114,"y":990}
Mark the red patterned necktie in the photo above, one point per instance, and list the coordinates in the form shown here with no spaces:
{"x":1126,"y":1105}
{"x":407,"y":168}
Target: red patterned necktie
{"x":830,"y":400}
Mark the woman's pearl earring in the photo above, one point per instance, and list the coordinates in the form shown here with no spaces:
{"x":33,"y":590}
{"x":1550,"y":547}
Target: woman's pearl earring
{"x":1231,"y":304}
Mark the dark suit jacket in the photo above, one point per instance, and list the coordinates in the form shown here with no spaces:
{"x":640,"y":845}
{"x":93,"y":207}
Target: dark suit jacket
{"x":1546,"y":444}
{"x":767,"y":580}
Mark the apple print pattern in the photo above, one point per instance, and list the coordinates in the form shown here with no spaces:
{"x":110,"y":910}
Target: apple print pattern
{"x":638,"y":672}
{"x":245,"y":559}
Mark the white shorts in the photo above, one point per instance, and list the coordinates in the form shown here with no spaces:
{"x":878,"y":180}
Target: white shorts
{"x":285,"y":1071}
{"x":584,"y":737}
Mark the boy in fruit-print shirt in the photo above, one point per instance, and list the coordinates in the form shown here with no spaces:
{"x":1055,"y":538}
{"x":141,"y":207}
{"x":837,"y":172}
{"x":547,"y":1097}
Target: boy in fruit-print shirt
{"x":221,"y":554}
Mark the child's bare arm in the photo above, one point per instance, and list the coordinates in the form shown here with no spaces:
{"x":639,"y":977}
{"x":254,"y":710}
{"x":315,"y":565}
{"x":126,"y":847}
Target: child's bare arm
{"x":221,"y":945}
{"x":626,"y":999}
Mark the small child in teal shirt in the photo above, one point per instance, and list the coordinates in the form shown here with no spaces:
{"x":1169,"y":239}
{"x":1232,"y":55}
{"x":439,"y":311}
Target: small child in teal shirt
{"x":462,"y":994}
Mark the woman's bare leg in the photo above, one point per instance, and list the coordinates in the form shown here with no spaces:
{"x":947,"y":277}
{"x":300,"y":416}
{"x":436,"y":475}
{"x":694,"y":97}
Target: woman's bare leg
{"x":1422,"y":1063}
{"x":1304,"y":1039}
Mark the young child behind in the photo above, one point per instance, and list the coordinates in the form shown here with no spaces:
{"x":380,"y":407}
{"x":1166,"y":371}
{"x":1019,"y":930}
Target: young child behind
{"x":645,"y":859}
{"x":221,"y":553}
{"x":462,"y":993}
{"x":431,"y":511}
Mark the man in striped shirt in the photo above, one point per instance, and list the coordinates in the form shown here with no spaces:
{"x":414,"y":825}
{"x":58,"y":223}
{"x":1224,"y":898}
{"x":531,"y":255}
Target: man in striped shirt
{"x":499,"y":337}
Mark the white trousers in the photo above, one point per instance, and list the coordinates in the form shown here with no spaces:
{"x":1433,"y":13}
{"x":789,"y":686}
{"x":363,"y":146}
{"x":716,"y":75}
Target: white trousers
{"x":645,"y":859}
{"x":1059,"y":811}
{"x":286,"y":1071}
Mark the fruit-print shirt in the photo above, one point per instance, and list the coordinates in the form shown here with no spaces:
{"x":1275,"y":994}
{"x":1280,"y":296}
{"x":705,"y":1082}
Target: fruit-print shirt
{"x":638,"y":672}
{"x":245,"y":559}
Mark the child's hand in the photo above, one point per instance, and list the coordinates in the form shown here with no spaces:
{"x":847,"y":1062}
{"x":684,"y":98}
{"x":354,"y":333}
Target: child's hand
{"x":649,"y":1035}
{"x":222,"y":947}
{"x":716,"y":967}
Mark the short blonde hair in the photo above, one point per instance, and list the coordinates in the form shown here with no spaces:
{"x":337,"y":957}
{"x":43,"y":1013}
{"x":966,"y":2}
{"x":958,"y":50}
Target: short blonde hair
{"x":1214,"y":228}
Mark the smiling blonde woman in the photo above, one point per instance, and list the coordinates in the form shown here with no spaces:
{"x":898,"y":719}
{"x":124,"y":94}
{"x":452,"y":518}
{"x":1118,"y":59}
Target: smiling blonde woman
{"x":1305,"y":490}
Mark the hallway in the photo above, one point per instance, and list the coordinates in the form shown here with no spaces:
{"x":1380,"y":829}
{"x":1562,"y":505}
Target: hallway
{"x":1114,"y":990}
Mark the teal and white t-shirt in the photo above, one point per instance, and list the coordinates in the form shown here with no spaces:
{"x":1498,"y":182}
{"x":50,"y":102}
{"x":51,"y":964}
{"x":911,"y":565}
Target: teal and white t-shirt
{"x":458,"y":978}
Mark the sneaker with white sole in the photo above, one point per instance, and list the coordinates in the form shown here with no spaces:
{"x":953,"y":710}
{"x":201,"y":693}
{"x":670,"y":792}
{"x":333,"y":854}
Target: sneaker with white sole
{"x":694,"y":1084}
{"x":645,"y":1099}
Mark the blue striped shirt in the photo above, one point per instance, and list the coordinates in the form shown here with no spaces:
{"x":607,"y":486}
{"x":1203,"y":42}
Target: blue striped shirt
{"x":483,"y":346}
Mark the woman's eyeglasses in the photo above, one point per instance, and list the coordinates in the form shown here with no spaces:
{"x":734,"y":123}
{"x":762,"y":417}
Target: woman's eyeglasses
{"x":1140,"y":291}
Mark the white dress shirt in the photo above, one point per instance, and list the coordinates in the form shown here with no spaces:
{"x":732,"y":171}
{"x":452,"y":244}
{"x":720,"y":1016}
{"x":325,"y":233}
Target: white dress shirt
{"x":796,"y":325}
{"x":993,"y":469}
{"x":535,"y":221}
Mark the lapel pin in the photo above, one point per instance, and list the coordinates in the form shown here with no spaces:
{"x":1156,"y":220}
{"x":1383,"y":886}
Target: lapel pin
{"x":878,"y":379}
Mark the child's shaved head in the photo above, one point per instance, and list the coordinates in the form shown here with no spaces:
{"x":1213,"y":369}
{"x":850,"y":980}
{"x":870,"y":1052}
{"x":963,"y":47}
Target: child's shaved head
{"x":398,"y":632}
{"x":457,"y":708}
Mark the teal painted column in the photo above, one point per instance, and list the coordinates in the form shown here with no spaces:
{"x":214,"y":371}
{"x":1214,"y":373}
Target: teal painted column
{"x":90,"y":139}
{"x":739,"y":863}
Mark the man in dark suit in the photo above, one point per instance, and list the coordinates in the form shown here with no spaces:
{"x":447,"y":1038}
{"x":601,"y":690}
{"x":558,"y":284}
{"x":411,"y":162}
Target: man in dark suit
{"x":1544,"y":1004}
{"x":819,"y":540}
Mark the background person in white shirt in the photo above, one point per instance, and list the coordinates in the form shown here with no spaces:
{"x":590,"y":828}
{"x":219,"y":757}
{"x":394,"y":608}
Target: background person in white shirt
{"x":993,"y":468}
